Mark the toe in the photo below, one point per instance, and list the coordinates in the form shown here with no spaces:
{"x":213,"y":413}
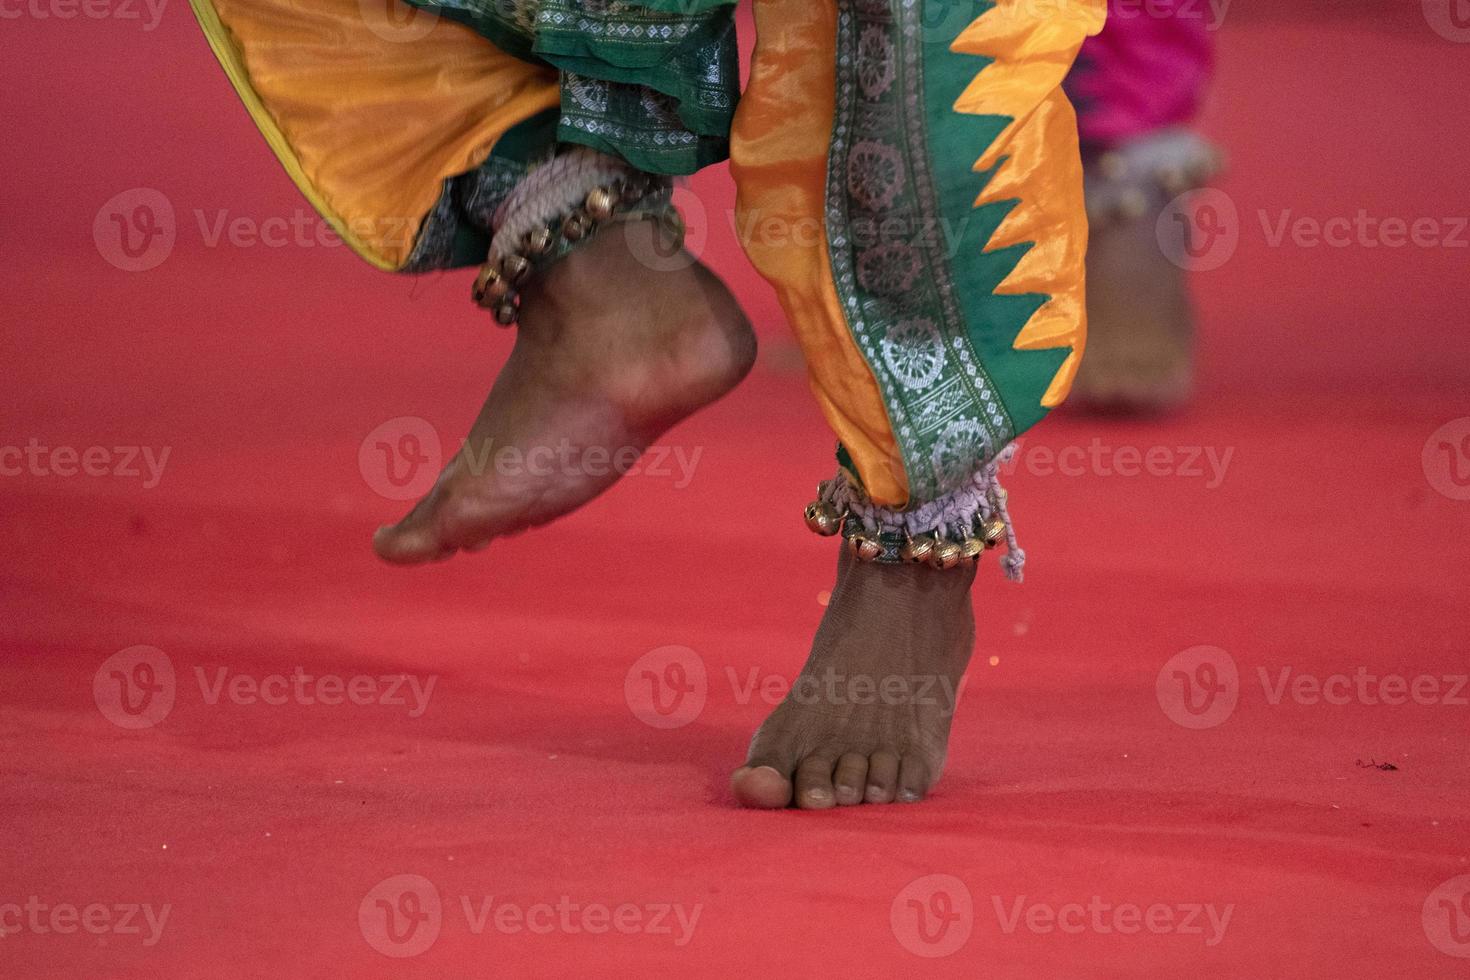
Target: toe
{"x":412,"y":540}
{"x":913,"y":779}
{"x":402,"y":544}
{"x":814,"y":783}
{"x":761,"y":787}
{"x":882,"y":777}
{"x":850,"y":778}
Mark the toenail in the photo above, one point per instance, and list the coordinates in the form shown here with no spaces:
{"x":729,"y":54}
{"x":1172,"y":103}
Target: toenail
{"x":820,"y":795}
{"x":875,"y":794}
{"x":908,"y":796}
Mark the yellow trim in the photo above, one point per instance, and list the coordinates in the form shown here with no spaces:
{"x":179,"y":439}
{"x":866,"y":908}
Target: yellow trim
{"x":222,"y":44}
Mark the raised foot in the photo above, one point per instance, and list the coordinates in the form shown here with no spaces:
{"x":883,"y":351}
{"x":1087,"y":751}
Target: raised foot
{"x":609,"y":355}
{"x":868,"y":719}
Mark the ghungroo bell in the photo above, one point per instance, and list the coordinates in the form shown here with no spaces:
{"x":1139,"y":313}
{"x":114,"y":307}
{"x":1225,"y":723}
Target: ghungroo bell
{"x":576,"y":227}
{"x":971,"y":549}
{"x":600,"y":204}
{"x":946,"y":556}
{"x":863,"y":548}
{"x":539,"y":242}
{"x":822,"y":518}
{"x":917,"y":550}
{"x":994,"y":532}
{"x":515,"y":268}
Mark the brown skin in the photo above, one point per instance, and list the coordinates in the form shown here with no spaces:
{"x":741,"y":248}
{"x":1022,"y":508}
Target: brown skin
{"x":609,"y":354}
{"x":840,"y":739}
{"x":1140,"y":325}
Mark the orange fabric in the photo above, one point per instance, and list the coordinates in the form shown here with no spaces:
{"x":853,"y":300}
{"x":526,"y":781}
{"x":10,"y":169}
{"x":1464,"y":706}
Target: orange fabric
{"x":372,"y":104}
{"x":1040,"y":163}
{"x":779,"y":146}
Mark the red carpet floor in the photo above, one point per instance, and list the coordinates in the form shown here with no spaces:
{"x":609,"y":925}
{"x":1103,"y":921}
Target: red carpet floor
{"x":1302,"y":520}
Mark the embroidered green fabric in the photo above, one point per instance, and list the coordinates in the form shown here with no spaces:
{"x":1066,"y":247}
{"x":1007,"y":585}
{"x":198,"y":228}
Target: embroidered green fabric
{"x":655,"y":83}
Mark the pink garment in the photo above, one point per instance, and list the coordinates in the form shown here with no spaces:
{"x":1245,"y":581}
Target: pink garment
{"x":1147,"y":69}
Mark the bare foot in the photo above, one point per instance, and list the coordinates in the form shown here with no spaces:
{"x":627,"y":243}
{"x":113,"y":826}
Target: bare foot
{"x":868,"y":719}
{"x":1140,"y":333}
{"x":1140,"y":325}
{"x":609,"y":355}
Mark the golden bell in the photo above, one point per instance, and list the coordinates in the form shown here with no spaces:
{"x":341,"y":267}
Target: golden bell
{"x":971,"y":549}
{"x":539,"y":242}
{"x":994,"y":532}
{"x":506,"y":313}
{"x":822,"y":518}
{"x":488,"y":277}
{"x":918,"y":549}
{"x":515,"y":268}
{"x":946,"y":556}
{"x":576,"y":227}
{"x":863,"y":548}
{"x":600,"y":203}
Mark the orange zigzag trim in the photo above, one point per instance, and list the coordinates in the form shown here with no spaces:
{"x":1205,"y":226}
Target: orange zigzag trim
{"x":1039,"y":161}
